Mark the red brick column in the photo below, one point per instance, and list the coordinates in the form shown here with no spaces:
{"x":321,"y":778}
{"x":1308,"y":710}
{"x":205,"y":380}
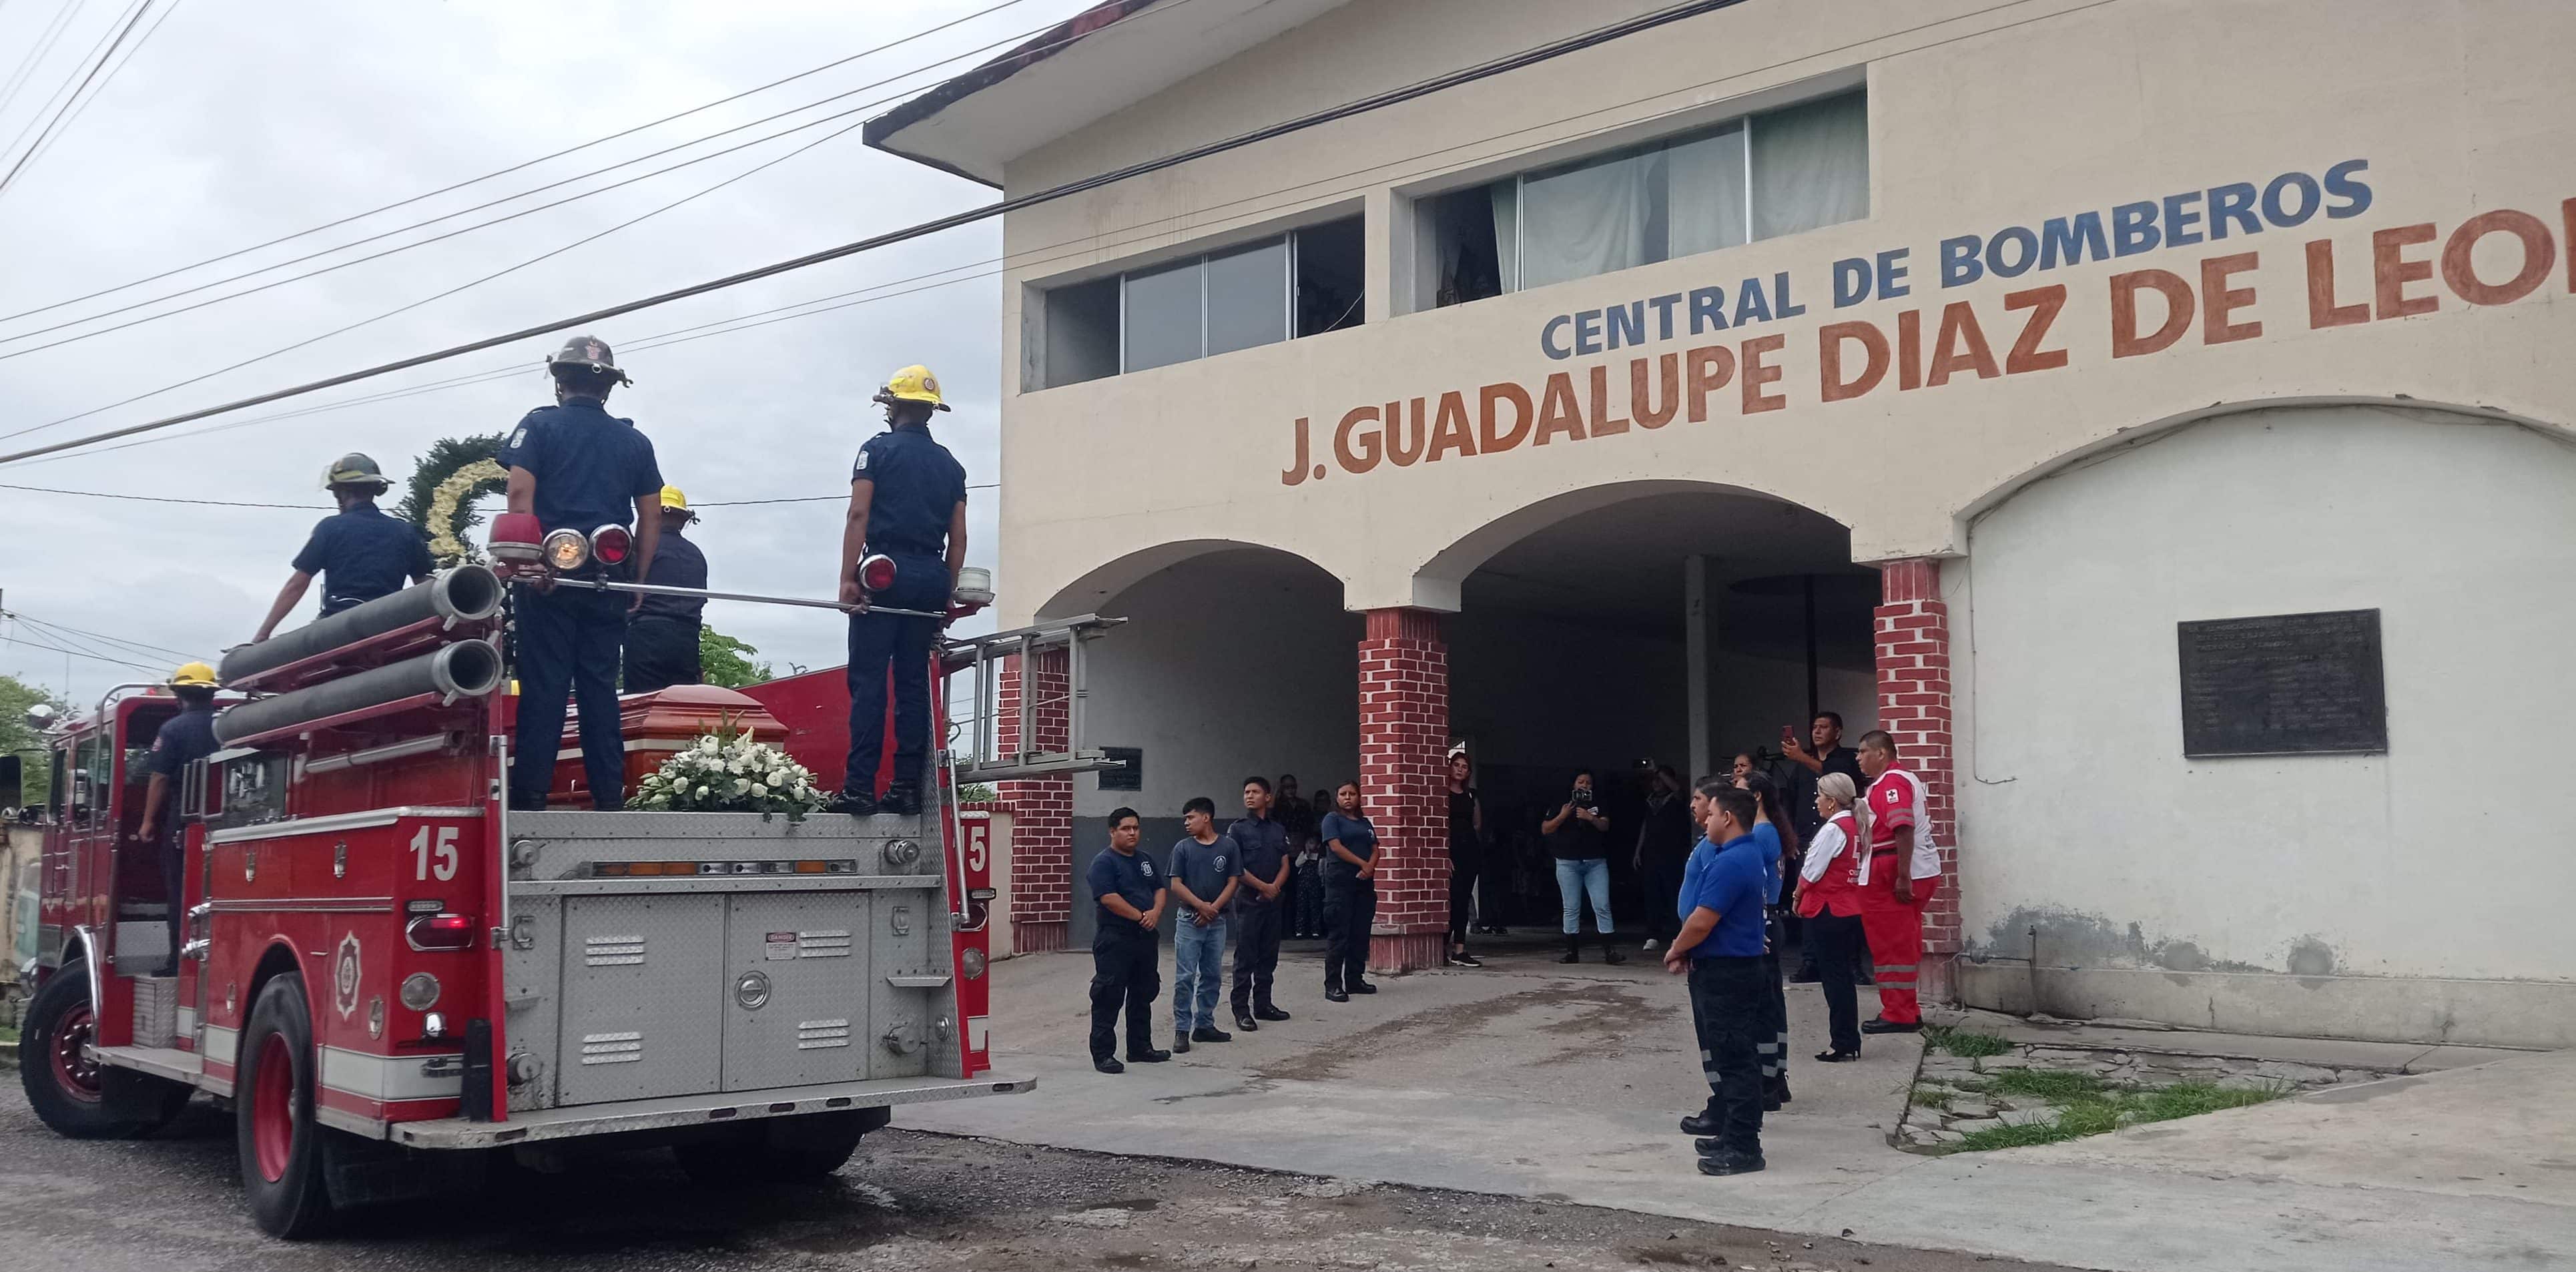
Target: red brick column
{"x":1041,"y":807}
{"x":1913,"y":630}
{"x":1404,"y":735}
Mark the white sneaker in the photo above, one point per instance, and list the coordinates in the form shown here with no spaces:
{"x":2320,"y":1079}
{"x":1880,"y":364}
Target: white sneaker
{"x":1653,"y":945}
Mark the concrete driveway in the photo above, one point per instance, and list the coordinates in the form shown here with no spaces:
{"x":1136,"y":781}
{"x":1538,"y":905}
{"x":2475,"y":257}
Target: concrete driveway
{"x":1531,"y":1079}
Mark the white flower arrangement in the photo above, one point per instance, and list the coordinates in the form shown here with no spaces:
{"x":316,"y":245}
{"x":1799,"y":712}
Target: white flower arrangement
{"x":718,"y":774}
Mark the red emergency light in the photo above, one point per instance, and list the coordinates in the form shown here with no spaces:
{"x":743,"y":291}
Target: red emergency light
{"x":610,"y":544}
{"x":876,"y":574}
{"x":441,"y":932}
{"x":515,"y":539}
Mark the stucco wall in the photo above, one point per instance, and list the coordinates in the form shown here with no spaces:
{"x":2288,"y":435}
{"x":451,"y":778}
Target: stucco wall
{"x":1979,"y":121}
{"x":2078,"y":812}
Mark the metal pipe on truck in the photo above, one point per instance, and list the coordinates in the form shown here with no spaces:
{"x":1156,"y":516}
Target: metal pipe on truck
{"x":467,"y":593}
{"x":466,"y":669}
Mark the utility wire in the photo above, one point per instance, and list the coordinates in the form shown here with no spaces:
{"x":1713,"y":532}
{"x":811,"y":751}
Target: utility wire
{"x":763,"y":166}
{"x":82,"y":108}
{"x":1376,"y":101}
{"x":22,"y":639}
{"x":141,"y":7}
{"x":1090,"y":245}
{"x":861,"y":108}
{"x":36,"y":53}
{"x":502,"y":172}
{"x":132,"y":646}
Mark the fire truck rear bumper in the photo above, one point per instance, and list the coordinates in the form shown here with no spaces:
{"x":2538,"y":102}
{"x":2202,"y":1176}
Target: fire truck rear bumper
{"x":695,"y":1110}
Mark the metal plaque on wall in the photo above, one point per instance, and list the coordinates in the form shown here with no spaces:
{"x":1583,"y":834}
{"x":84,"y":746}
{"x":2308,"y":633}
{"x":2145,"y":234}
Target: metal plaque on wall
{"x":2283,"y":684}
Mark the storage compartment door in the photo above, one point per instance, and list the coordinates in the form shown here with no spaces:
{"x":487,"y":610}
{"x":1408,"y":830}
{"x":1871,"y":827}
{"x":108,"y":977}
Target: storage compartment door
{"x":643,"y":986}
{"x":796,"y":989}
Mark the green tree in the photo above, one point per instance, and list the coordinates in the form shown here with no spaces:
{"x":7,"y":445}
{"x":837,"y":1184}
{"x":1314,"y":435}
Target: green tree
{"x":724,"y":660}
{"x":19,"y":740}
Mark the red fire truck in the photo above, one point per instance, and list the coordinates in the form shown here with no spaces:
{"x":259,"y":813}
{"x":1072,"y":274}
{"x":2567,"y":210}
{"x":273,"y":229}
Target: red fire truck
{"x":391,"y":975}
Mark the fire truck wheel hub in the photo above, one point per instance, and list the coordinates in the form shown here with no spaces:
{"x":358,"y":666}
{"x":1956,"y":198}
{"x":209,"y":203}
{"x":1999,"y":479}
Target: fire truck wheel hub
{"x":273,"y":1109}
{"x":74,"y":1070}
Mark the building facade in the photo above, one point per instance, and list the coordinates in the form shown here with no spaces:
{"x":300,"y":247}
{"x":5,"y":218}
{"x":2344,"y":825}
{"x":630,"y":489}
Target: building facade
{"x":2154,"y":413}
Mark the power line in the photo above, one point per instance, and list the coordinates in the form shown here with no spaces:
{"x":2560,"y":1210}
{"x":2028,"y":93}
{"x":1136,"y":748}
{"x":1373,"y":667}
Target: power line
{"x":502,"y":172}
{"x":47,"y":146}
{"x":134,"y":646}
{"x":763,"y":166}
{"x":493,"y":203}
{"x":141,"y":7}
{"x":22,"y":639}
{"x":36,"y":53}
{"x":1373,"y":102}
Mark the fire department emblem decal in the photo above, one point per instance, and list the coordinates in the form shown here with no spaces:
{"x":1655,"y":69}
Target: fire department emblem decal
{"x":344,"y":977}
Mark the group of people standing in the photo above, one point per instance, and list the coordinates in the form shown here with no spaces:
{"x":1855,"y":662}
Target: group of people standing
{"x":1860,"y":881}
{"x":1241,"y":881}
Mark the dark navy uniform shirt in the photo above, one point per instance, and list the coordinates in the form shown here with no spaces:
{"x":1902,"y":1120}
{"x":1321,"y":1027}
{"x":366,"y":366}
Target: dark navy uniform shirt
{"x":183,"y":740}
{"x":918,"y":487}
{"x":1260,"y":844}
{"x":1130,"y":875}
{"x":362,"y":554}
{"x":676,"y":563}
{"x":590,"y":465}
{"x":1357,"y":834}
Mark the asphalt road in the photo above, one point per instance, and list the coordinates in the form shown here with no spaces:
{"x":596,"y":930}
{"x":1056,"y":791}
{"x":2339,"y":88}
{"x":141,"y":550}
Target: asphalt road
{"x":908,"y":1201}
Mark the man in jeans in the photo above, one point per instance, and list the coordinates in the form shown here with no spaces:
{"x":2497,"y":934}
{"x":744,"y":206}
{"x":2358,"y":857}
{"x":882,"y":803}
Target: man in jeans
{"x":1721,"y":946}
{"x":1260,"y":846}
{"x":1129,"y":893}
{"x":1204,"y":873}
{"x":1576,"y":833}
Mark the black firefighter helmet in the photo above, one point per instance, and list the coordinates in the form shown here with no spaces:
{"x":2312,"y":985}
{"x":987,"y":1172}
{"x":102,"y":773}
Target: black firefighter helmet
{"x":586,"y":356}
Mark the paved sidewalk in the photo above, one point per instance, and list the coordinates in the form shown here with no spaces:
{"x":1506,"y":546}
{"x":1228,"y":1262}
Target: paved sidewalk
{"x":1562,"y":1083}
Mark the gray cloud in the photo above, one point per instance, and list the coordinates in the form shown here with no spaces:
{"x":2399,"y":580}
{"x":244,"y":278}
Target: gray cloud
{"x":234,"y":126}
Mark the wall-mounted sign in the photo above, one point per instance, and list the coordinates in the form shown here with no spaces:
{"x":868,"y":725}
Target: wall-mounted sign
{"x":2283,"y":684}
{"x":1130,"y":773}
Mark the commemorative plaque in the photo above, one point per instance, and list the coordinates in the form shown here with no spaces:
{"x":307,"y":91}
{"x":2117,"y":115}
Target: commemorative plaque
{"x":2283,"y":684}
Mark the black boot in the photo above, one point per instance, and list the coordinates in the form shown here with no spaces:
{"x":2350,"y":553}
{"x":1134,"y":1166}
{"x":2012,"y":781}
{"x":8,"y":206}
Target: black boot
{"x":1610,"y":949}
{"x":903,"y":799}
{"x":1573,"y":950}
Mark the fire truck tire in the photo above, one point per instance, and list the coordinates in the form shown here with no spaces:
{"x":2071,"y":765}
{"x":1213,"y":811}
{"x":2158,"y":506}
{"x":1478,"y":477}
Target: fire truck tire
{"x":273,"y":1128}
{"x":784,"y":1150}
{"x":65,"y":1087}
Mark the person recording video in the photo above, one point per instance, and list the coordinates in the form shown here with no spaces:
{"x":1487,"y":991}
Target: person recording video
{"x":1577,"y":835}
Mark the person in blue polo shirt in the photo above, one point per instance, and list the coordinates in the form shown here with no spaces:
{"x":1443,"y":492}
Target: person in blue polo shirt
{"x":1721,"y":947}
{"x":578,"y":468}
{"x":359,"y":552}
{"x":1128,"y":893}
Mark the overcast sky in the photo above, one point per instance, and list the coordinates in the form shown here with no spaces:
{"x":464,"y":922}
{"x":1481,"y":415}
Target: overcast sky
{"x":239,"y":122}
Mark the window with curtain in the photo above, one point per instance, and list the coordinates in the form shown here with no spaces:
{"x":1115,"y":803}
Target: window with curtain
{"x":1305,"y":282}
{"x":1759,"y":177}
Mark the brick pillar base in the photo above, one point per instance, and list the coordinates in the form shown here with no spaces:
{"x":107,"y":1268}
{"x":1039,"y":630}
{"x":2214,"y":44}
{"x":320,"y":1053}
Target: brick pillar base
{"x":1041,"y":807}
{"x":1913,"y":637}
{"x":1404,"y":735}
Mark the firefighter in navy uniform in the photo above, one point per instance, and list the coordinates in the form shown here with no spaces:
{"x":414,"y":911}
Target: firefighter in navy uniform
{"x":578,"y":468}
{"x":908,"y":502}
{"x":360,"y":552}
{"x":183,"y":740}
{"x":662,"y":638}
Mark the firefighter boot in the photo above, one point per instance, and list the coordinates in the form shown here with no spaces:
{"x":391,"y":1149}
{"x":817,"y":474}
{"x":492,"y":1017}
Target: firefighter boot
{"x":903,"y":799}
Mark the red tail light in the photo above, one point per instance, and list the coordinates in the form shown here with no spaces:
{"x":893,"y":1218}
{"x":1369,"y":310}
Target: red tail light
{"x":876,"y":574}
{"x":441,"y":932}
{"x":609,"y":544}
{"x":515,"y":536}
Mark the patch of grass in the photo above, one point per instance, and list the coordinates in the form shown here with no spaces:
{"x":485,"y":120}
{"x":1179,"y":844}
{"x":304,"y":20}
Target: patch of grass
{"x":1962,"y":1042}
{"x":1932,"y":1097}
{"x":2057,"y":1086}
{"x":2103,"y":1109}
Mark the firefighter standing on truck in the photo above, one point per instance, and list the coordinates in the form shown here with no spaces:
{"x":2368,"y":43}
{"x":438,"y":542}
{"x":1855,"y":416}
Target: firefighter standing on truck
{"x":360,"y":552}
{"x":908,"y":503}
{"x":183,"y":740}
{"x":662,"y":638}
{"x":578,"y":468}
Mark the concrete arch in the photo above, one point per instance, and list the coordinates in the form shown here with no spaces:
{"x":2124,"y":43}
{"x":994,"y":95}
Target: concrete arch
{"x":1102,"y":583}
{"x":2135,"y":436}
{"x":1438,"y":581}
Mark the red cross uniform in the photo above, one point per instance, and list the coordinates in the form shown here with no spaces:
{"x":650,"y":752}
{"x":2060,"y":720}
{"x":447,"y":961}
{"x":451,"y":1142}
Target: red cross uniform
{"x":1895,"y":928}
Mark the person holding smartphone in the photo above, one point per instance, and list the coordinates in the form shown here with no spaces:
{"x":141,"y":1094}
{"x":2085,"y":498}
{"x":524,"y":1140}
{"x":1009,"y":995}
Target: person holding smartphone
{"x":1576,"y":836}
